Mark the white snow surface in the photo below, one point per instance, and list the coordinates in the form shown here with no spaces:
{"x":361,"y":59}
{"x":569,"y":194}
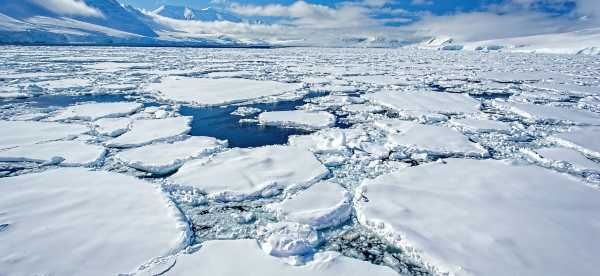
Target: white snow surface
{"x":67,"y":153}
{"x":487,"y":217}
{"x":214,"y":258}
{"x":145,"y":131}
{"x":425,"y":102}
{"x":536,"y":112}
{"x":72,"y":221}
{"x":430,"y":139}
{"x":298,"y":119}
{"x":95,"y":111}
{"x":583,"y":139}
{"x":161,"y":158}
{"x":18,"y":133}
{"x":210,"y":92}
{"x":324,"y":204}
{"x":238,"y":174}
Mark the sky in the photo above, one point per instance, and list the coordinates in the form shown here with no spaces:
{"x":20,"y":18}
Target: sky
{"x":402,"y":20}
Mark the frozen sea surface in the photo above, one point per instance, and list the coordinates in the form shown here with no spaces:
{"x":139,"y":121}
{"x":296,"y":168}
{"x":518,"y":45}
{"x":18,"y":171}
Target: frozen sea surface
{"x":297,"y":161}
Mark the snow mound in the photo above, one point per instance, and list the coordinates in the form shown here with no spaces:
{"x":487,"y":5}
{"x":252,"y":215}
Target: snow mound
{"x":429,"y":139}
{"x":95,"y":111}
{"x":298,"y":119}
{"x":144,"y":132}
{"x":72,"y":221}
{"x":487,"y":217}
{"x":206,"y":91}
{"x":214,"y":258}
{"x":324,"y":204}
{"x":163,"y":158}
{"x":238,"y":174}
{"x":425,"y":102}
{"x":582,"y":139}
{"x":67,"y":153}
{"x":285,"y":239}
{"x":18,"y":133}
{"x":542,"y":113}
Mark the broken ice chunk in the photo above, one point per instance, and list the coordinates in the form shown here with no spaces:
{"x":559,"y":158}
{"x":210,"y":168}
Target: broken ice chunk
{"x":17,"y":133}
{"x":95,"y":111}
{"x":298,"y":119}
{"x":163,"y":158}
{"x":238,"y":174}
{"x":584,"y":139}
{"x":425,"y":102}
{"x":543,"y":113}
{"x":67,"y":153}
{"x":557,"y":157}
{"x":144,"y":132}
{"x":285,"y":239}
{"x":112,"y":127}
{"x":324,"y":204}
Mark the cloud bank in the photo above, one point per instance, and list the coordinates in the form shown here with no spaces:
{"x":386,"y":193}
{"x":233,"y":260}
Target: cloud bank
{"x":68,"y":7}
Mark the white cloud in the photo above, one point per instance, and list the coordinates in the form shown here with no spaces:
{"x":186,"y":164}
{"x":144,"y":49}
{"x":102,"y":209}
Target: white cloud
{"x":68,"y":7}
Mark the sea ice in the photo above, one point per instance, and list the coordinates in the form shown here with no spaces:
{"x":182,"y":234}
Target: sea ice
{"x":241,"y":173}
{"x":583,"y":139}
{"x":480,"y":125}
{"x":298,"y":119}
{"x":95,"y":111}
{"x":112,"y":127}
{"x":285,"y":239}
{"x":324,"y":204}
{"x":67,"y":153}
{"x":540,"y":113}
{"x":163,"y":158}
{"x":144,"y":132}
{"x":18,"y":133}
{"x":486,"y":217}
{"x":425,"y":102}
{"x":555,"y":157}
{"x":206,"y":91}
{"x":214,"y":258}
{"x":381,"y":80}
{"x":72,"y":221}
{"x":429,"y":139}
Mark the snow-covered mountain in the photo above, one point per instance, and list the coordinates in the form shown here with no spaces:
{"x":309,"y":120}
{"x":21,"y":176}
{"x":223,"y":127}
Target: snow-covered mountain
{"x":206,"y":14}
{"x":107,"y":22}
{"x":586,"y":41}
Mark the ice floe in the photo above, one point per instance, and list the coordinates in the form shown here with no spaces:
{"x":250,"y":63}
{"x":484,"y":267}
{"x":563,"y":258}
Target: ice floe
{"x":18,"y":133}
{"x":584,"y":139}
{"x":146,"y":131}
{"x":473,"y":125}
{"x":95,"y":111}
{"x":285,"y":239}
{"x":205,"y":91}
{"x":214,"y":258}
{"x":112,"y":127}
{"x":562,"y":159}
{"x":540,"y":113}
{"x":67,"y":153}
{"x":238,"y":174}
{"x":324,"y":204}
{"x":432,"y":140}
{"x":486,"y":217}
{"x":298,"y":119}
{"x":419,"y":103}
{"x":72,"y":221}
{"x":163,"y":158}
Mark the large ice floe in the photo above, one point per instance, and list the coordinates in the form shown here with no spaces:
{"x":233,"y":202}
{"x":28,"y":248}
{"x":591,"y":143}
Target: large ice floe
{"x":298,"y":119}
{"x":72,"y":221}
{"x":432,"y":140}
{"x":67,"y":153}
{"x":323,"y":205}
{"x":419,"y":103}
{"x":562,"y":159}
{"x":584,"y":139}
{"x":541,"y":113}
{"x":205,"y":91}
{"x":18,"y":133}
{"x":486,"y":217}
{"x":163,"y":158}
{"x":238,"y":174}
{"x":95,"y":111}
{"x":214,"y":258}
{"x":146,"y":131}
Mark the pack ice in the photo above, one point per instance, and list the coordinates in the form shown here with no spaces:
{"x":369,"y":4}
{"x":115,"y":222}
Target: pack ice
{"x":163,"y":158}
{"x":95,"y":111}
{"x":146,"y":131}
{"x":298,"y":119}
{"x":67,"y":153}
{"x":238,"y":174}
{"x":17,"y":133}
{"x":425,"y":102}
{"x":72,"y":221}
{"x":486,"y":217}
{"x":206,"y":91}
{"x":584,"y":139}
